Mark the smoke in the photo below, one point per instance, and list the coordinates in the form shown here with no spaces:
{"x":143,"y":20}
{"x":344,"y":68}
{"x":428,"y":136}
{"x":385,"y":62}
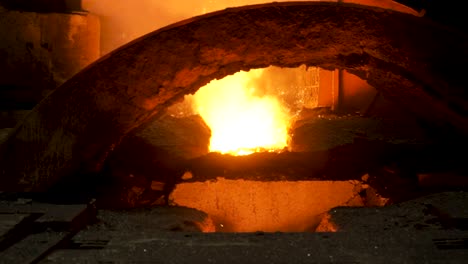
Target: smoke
{"x":125,"y":20}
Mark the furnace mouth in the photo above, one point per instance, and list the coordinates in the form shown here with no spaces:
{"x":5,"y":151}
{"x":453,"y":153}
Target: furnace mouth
{"x":345,"y":145}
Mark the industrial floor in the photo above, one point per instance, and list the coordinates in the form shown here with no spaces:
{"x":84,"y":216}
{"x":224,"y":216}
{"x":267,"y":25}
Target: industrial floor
{"x":429,"y":229}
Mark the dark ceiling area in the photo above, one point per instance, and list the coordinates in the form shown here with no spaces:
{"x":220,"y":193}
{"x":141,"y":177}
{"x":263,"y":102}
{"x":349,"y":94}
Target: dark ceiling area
{"x":448,"y":13}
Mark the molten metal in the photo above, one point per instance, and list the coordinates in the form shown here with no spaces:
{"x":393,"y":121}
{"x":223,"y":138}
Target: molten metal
{"x":242,"y":122}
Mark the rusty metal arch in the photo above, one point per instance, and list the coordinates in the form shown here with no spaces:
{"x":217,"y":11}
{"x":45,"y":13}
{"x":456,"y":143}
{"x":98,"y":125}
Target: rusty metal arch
{"x":74,"y":129}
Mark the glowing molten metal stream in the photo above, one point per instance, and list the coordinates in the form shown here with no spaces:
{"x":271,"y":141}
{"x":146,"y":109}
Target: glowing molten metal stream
{"x":242,"y":122}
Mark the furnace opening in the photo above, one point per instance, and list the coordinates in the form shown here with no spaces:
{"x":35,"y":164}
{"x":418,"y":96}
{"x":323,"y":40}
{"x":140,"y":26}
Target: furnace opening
{"x":273,"y":149}
{"x":252,"y":111}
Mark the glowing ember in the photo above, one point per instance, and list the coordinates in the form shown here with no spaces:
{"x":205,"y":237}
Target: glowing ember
{"x":242,"y":122}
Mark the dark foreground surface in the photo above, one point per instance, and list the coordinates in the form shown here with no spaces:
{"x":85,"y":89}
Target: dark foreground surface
{"x":429,"y":229}
{"x":422,"y":247}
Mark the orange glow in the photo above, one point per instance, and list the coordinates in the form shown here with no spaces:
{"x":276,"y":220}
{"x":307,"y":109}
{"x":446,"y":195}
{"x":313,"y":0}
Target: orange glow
{"x":242,"y":122}
{"x":125,"y":20}
{"x":271,"y":206}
